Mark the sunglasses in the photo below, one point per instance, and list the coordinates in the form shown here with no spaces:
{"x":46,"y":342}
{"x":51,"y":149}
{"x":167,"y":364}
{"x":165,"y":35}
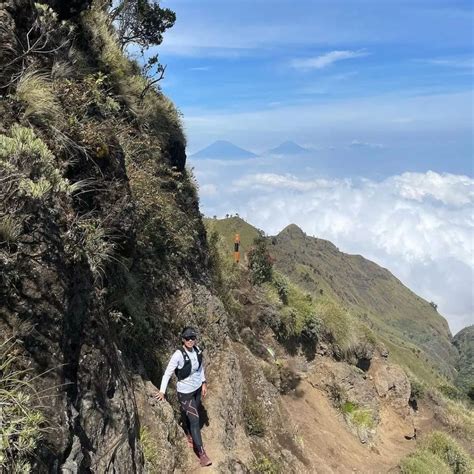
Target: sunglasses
{"x":191,"y":338}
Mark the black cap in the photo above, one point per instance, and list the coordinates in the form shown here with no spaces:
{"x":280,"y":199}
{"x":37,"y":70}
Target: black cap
{"x":188,"y":332}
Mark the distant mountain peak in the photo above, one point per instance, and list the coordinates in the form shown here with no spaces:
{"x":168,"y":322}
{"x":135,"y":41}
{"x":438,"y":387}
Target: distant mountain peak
{"x":293,"y":230}
{"x":288,"y":148}
{"x":223,"y":149}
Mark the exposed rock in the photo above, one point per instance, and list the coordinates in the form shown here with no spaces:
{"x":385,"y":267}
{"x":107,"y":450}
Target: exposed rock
{"x":391,"y":382}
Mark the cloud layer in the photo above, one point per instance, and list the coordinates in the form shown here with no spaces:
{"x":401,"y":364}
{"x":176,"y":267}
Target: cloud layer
{"x":418,"y":225}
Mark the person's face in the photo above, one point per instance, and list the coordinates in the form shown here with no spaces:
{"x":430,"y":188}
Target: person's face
{"x":189,"y":342}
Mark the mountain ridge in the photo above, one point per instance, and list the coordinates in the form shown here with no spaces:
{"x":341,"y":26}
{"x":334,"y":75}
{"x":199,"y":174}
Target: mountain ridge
{"x":405,"y":321}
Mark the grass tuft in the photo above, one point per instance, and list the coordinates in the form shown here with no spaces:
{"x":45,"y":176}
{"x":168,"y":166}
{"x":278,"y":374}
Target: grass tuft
{"x":36,"y":90}
{"x":97,"y":245}
{"x":10,"y":230}
{"x":358,"y":416}
{"x":22,"y":423}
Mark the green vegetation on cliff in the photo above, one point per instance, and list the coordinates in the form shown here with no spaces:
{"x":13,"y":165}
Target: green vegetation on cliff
{"x":99,"y":230}
{"x":464,"y":342}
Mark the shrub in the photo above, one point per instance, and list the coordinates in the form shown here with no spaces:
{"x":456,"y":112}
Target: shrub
{"x":423,"y":461}
{"x":336,"y":322}
{"x":260,"y":262}
{"x":450,"y":451}
{"x":451,"y":392}
{"x":30,"y":163}
{"x":418,"y":388}
{"x":281,"y":284}
{"x":253,"y":418}
{"x":266,"y":465}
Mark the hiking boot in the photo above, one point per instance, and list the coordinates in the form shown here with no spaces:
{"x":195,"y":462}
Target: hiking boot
{"x":203,"y":459}
{"x":189,"y":440}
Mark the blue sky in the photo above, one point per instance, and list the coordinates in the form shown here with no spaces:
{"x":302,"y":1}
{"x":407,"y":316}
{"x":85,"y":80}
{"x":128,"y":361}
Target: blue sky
{"x":382,"y":93}
{"x":226,"y":58}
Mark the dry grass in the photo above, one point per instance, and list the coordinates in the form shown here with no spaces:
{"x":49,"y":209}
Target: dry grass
{"x":10,"y":229}
{"x":35,"y":89}
{"x":21,"y":420}
{"x":456,"y":415}
{"x":154,"y":109}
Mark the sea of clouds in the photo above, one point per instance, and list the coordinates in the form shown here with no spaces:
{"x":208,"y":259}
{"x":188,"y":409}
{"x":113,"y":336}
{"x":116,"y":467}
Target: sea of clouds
{"x":417,"y":225}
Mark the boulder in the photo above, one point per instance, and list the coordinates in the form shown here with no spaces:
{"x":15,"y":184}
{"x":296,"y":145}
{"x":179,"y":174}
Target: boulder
{"x":391,"y":382}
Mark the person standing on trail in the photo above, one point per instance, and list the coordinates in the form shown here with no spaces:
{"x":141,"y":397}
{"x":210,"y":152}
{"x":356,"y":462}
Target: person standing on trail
{"x":187,"y":364}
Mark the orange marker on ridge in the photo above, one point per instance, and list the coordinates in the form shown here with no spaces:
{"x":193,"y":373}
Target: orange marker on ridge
{"x":237,"y":248}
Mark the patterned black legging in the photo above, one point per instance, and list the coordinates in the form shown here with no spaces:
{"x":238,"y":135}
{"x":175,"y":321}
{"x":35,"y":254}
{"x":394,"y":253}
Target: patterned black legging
{"x":190,"y":403}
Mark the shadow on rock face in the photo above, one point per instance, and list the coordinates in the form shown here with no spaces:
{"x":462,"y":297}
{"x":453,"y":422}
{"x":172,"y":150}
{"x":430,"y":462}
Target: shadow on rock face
{"x":69,"y":9}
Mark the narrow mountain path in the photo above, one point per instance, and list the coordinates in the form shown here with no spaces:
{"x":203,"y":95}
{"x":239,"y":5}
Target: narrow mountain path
{"x":332,"y":448}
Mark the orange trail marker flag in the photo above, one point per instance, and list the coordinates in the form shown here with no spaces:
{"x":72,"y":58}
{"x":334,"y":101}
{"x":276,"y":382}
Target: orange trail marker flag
{"x":237,"y":248}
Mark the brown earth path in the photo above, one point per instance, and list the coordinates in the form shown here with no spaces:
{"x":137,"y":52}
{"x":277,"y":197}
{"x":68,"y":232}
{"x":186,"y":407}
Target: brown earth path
{"x":327,"y":442}
{"x":329,"y":445}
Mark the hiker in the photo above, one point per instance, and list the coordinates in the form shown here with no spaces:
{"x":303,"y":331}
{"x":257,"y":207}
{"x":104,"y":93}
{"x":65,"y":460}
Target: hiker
{"x":186,"y":363}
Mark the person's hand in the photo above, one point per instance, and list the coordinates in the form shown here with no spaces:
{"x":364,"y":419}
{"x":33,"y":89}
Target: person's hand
{"x":204,"y":390}
{"x":159,"y":396}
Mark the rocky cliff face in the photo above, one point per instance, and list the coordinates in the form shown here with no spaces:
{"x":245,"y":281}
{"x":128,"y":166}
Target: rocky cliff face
{"x":82,"y":238}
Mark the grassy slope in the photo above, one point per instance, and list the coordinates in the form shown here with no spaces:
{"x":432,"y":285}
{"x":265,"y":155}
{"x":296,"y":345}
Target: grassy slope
{"x":231,"y":226}
{"x":416,"y":335}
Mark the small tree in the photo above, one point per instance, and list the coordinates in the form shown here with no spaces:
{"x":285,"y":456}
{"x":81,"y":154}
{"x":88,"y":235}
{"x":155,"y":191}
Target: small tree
{"x":141,"y":22}
{"x":260,"y":261}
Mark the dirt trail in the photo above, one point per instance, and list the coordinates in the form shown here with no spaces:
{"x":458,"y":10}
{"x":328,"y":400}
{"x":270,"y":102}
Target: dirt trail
{"x":332,"y":448}
{"x":326,"y":440}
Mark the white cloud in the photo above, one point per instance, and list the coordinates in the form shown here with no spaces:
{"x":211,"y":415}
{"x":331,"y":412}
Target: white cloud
{"x":325,"y":60}
{"x":461,"y":63}
{"x":271,"y":181}
{"x":418,"y":225}
{"x":200,"y":68}
{"x":360,"y":144}
{"x":208,"y":190}
{"x":453,"y":190}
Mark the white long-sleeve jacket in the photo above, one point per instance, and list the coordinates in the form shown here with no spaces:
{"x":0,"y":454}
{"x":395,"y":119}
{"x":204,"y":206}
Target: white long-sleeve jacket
{"x":190,"y":383}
